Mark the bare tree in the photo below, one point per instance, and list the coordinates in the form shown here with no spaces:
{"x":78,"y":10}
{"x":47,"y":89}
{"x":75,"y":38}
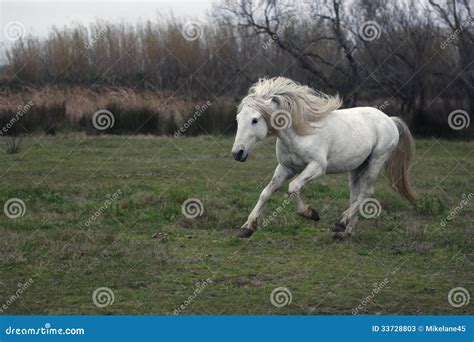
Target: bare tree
{"x":320,"y":42}
{"x":458,"y":17}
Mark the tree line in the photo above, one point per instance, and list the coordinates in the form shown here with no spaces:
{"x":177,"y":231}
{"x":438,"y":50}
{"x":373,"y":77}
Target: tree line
{"x":411,"y":58}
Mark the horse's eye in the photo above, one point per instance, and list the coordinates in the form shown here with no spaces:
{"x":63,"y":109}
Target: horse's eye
{"x":254,"y":121}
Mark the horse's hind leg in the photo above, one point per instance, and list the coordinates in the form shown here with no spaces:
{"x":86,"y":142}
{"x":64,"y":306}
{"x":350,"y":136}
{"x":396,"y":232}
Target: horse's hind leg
{"x":365,"y":183}
{"x":354,"y":185}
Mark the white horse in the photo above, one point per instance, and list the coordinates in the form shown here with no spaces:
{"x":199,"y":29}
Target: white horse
{"x":315,"y":137}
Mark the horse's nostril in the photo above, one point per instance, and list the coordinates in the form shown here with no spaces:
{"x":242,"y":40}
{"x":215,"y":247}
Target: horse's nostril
{"x":238,"y":155}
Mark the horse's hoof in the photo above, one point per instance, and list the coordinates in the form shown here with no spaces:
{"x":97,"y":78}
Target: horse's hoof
{"x":245,"y":233}
{"x":339,"y":227}
{"x":310,"y":214}
{"x":314,"y":215}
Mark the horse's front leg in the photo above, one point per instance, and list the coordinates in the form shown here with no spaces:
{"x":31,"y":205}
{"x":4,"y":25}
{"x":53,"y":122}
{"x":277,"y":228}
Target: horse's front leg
{"x":312,"y":171}
{"x":280,"y":175}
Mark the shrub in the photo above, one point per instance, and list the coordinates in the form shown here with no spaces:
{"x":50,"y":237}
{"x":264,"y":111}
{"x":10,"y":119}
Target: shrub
{"x":13,"y":144}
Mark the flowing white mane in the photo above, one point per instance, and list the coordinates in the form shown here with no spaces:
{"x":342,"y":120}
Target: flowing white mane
{"x":304,"y":104}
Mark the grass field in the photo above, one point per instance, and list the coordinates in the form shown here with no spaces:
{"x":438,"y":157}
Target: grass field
{"x":154,"y":259}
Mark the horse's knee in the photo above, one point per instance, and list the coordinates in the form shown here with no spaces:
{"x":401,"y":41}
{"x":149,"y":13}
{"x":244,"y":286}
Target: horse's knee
{"x":265,"y":195}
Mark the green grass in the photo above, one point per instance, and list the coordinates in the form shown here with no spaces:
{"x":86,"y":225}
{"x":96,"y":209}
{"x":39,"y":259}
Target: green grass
{"x":144,"y":249}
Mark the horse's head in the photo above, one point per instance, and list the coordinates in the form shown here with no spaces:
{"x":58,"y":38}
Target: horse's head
{"x":251,"y":128}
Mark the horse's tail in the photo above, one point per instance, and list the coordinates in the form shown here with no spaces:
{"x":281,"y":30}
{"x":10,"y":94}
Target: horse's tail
{"x":397,"y":167}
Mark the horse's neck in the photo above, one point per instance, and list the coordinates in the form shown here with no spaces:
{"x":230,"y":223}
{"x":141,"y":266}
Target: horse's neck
{"x":287,"y":137}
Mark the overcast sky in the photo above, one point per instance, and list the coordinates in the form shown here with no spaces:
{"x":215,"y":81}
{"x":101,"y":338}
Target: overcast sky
{"x":38,"y":17}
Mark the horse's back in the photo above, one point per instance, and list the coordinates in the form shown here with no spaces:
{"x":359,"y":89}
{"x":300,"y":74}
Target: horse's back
{"x":368,"y":122}
{"x":363,"y":113}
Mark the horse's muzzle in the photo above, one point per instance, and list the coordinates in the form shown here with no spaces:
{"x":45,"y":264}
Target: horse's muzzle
{"x":240,"y":155}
